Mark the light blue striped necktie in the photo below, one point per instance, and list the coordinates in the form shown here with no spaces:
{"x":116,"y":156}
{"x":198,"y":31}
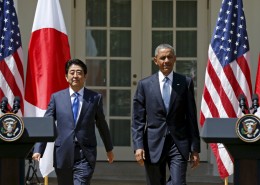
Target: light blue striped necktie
{"x":166,"y":92}
{"x":75,"y":106}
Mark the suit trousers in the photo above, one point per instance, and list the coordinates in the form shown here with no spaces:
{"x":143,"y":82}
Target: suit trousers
{"x":80,"y":174}
{"x":156,"y":172}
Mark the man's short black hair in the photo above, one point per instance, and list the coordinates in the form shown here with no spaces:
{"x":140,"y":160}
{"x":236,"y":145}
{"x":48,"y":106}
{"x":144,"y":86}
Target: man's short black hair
{"x":77,"y":62}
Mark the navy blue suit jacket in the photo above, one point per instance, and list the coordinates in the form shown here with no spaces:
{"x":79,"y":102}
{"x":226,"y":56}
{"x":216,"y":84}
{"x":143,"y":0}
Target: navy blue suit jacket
{"x":151,"y":120}
{"x":91,"y":114}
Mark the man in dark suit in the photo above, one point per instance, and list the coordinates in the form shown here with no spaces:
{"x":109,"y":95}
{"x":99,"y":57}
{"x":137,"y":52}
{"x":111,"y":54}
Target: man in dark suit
{"x":164,"y":125}
{"x":75,"y":145}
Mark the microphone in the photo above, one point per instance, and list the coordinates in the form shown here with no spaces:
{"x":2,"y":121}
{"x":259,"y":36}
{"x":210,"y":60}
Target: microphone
{"x":255,"y":104}
{"x":4,"y":104}
{"x":16,"y":105}
{"x":242,"y":103}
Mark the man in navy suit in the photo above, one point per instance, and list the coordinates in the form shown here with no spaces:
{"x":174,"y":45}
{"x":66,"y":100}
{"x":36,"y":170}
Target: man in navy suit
{"x":164,"y":125}
{"x":75,"y":146}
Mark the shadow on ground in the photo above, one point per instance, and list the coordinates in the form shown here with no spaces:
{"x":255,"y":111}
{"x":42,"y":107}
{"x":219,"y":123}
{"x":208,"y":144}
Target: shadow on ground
{"x":130,"y":173}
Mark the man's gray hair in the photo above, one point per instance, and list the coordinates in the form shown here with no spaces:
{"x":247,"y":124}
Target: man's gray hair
{"x":163,"y":46}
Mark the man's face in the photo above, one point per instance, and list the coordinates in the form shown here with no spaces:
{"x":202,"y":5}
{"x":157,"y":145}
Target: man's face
{"x":165,"y":61}
{"x":76,"y":77}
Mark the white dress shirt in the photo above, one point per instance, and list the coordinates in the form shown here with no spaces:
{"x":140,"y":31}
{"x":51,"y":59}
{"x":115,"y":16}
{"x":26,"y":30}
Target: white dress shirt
{"x":162,"y":79}
{"x":72,"y":96}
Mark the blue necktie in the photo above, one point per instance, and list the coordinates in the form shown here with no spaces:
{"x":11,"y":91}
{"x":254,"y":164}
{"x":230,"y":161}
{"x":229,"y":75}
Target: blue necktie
{"x":166,"y":92}
{"x":75,"y":106}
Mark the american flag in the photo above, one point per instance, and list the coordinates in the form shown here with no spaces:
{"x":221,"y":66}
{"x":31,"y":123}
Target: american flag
{"x":227,"y":74}
{"x":11,"y":55}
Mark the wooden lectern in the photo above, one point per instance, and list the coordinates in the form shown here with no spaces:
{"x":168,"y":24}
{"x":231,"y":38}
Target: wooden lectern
{"x":35,"y":130}
{"x":246,"y":155}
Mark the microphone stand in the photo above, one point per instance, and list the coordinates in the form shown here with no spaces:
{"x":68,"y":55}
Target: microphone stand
{"x":255,"y":103}
{"x":32,"y":172}
{"x":242,"y":104}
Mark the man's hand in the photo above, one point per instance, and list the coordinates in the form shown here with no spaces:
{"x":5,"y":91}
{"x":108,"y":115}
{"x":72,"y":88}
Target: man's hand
{"x":36,"y":156}
{"x":110,"y":156}
{"x":194,"y":159}
{"x":140,"y":156}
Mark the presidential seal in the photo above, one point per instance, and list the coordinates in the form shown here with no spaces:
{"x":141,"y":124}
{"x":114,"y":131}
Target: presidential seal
{"x":248,"y":128}
{"x":11,"y":126}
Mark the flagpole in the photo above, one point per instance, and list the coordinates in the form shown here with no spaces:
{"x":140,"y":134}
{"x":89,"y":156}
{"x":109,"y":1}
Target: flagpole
{"x":226,"y":181}
{"x":46,"y":180}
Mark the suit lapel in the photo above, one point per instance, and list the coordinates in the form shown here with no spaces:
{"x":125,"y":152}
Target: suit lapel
{"x":156,"y":90}
{"x":67,"y":104}
{"x":85,"y":105}
{"x":177,"y":83}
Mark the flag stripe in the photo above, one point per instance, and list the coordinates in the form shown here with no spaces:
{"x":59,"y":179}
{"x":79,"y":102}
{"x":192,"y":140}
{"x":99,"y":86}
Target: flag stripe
{"x":220,"y":90}
{"x":221,"y":166}
{"x":233,"y":82}
{"x":225,"y":170}
{"x":19,"y":64}
{"x":14,"y":76}
{"x":215,"y":99}
{"x":246,"y":80}
{"x":210,"y":104}
{"x":202,"y":118}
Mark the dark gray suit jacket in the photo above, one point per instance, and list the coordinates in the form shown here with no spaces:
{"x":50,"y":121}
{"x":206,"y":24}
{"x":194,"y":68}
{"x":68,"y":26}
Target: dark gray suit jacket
{"x":91,"y":114}
{"x":151,"y":121}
